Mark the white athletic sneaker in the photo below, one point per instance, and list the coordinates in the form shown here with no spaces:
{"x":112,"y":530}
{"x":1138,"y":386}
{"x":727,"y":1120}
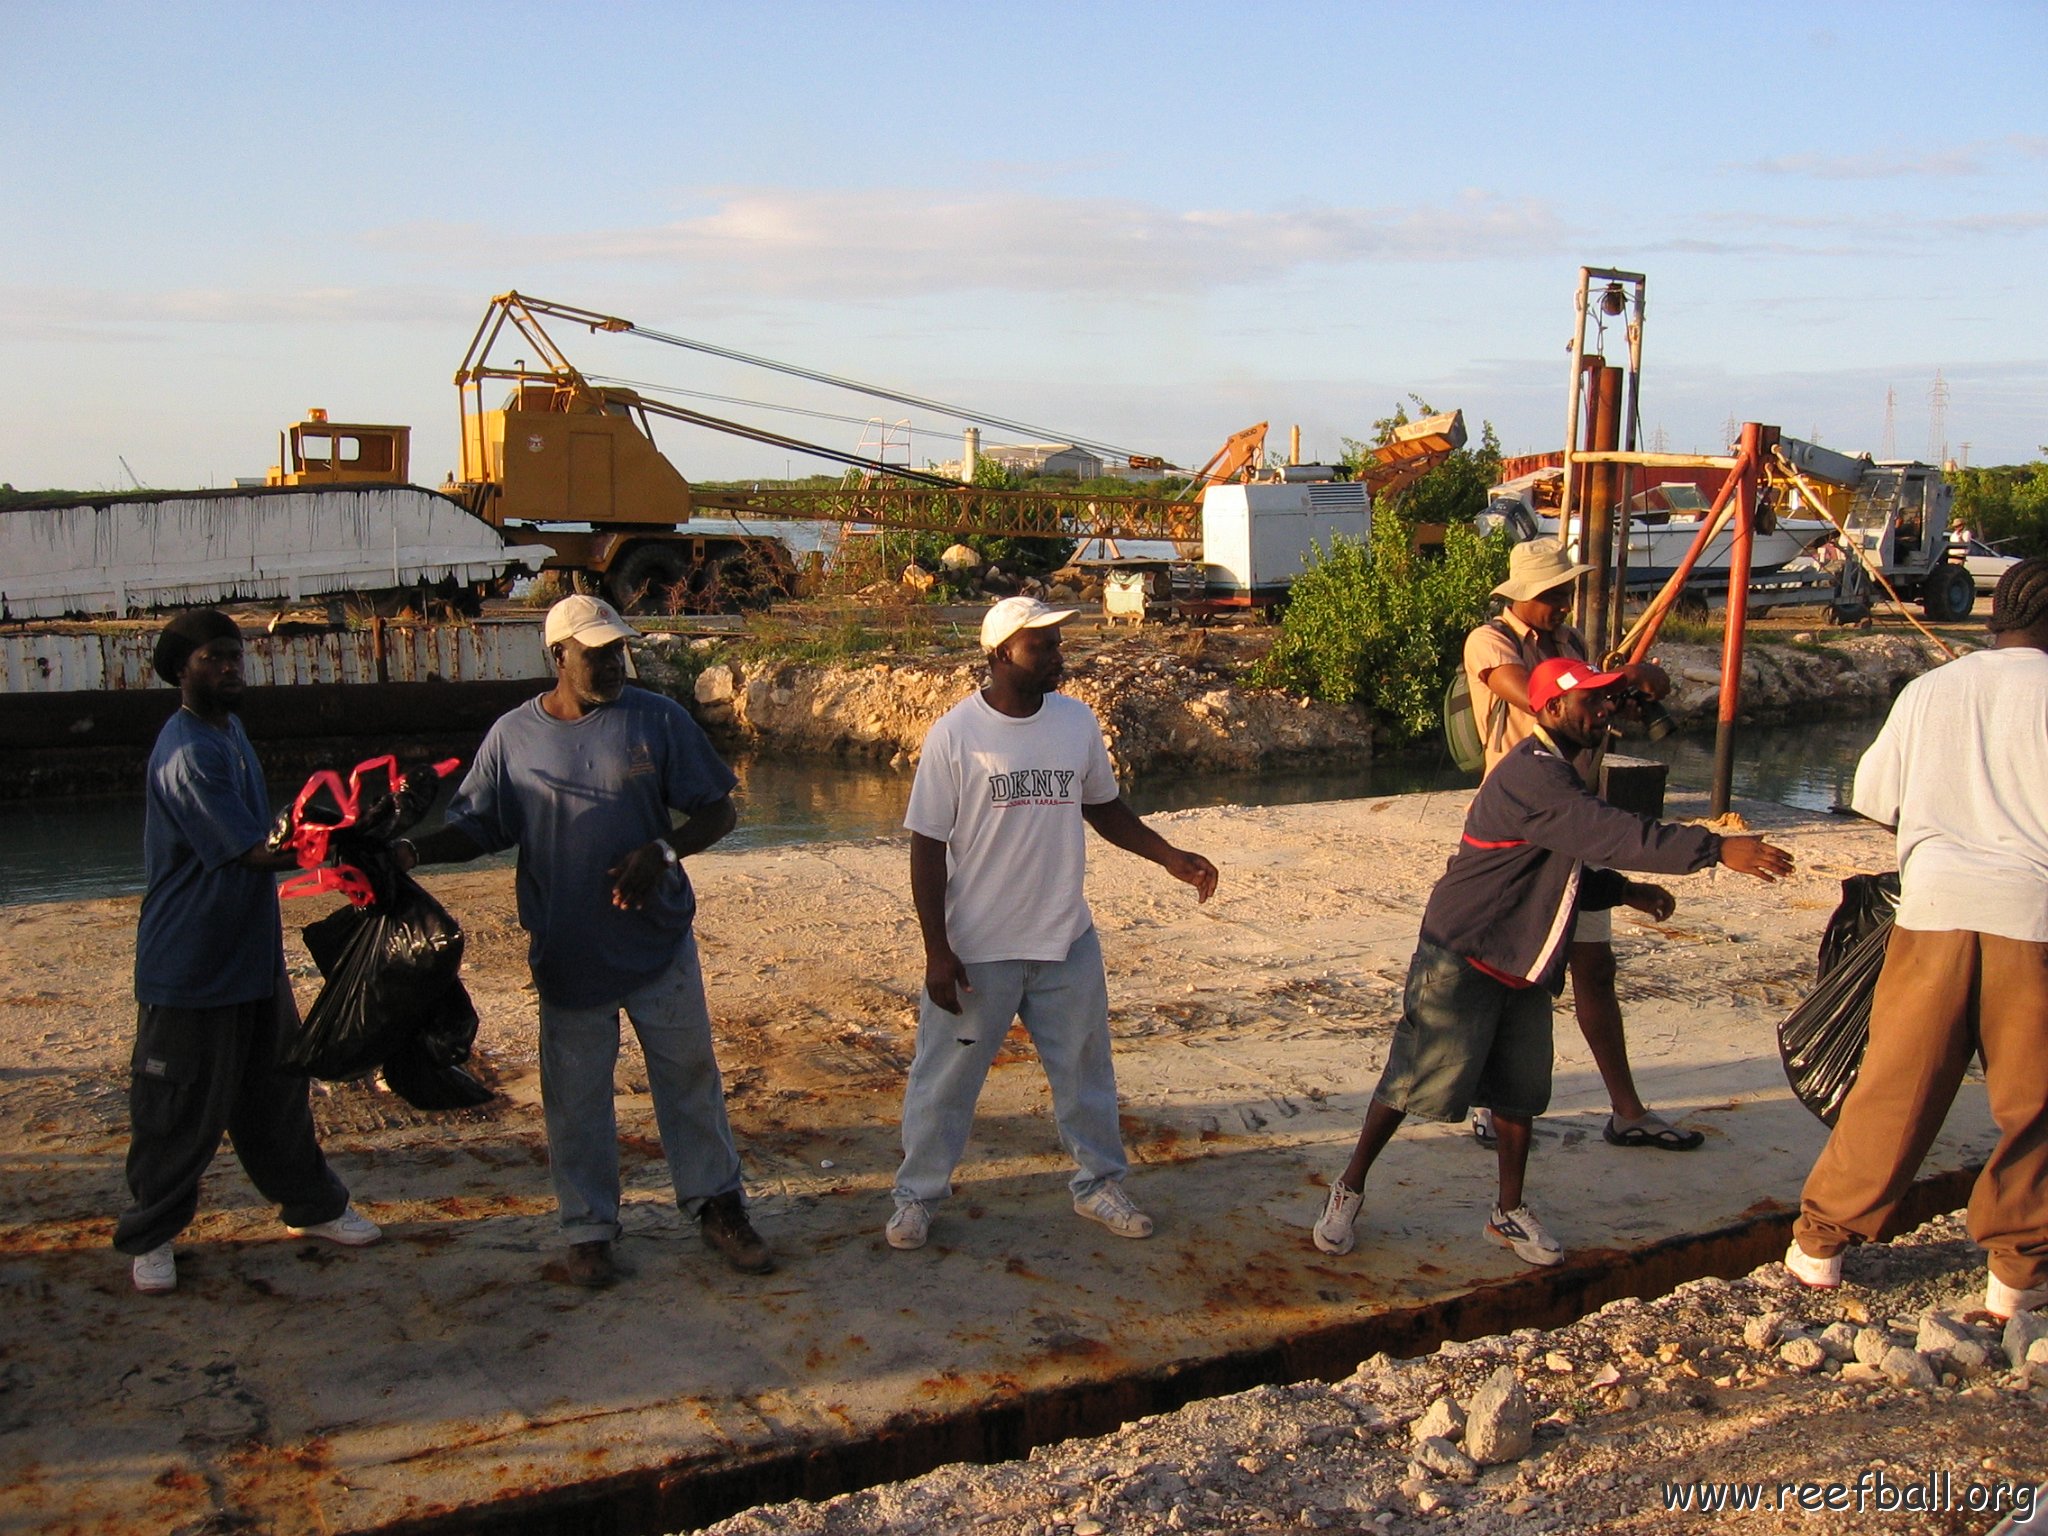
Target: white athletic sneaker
{"x":1340,"y":1212}
{"x":1520,"y":1230}
{"x":910,"y":1226}
{"x":1815,"y":1274}
{"x":156,"y":1271}
{"x":1108,"y":1204}
{"x":2000,"y":1299}
{"x":1482,"y":1126}
{"x":351,"y":1229}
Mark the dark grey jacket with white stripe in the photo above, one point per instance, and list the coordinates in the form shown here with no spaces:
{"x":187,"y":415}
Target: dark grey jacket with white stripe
{"x":1537,"y":847}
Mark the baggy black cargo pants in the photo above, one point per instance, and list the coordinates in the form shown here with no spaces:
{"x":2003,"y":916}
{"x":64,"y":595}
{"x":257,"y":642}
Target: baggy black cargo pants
{"x":196,"y":1073}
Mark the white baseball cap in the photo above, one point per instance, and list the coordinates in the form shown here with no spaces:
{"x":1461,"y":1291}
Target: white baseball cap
{"x":588,"y":619}
{"x":1004,"y":619}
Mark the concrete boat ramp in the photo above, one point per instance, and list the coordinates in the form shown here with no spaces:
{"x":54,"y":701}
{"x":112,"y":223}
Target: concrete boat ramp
{"x":447,"y":1380}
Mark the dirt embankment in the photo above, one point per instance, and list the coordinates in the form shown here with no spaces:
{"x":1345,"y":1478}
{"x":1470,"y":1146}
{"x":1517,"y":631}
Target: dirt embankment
{"x":1172,"y":705}
{"x":1178,"y":701}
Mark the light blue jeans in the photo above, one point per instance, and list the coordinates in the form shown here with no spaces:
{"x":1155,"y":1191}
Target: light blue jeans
{"x":579,"y":1048}
{"x":1065,"y":1007}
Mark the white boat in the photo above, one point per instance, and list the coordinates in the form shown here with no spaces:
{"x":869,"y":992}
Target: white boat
{"x":1663,"y":522}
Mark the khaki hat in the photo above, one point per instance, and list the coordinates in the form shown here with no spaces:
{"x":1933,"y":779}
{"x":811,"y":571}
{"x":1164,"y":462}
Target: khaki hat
{"x":588,"y":619}
{"x":1004,"y":619}
{"x":1536,"y":567}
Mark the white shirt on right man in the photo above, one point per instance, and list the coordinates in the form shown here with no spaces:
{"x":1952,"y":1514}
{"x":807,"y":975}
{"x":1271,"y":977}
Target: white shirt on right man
{"x":1961,"y":768}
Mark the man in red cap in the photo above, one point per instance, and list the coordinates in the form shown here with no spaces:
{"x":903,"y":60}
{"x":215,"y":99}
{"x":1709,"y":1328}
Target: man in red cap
{"x":1499,"y":657}
{"x":1475,"y":1022}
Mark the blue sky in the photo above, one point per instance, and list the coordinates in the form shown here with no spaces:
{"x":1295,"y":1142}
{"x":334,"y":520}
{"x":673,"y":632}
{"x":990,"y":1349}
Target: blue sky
{"x":1145,"y":224}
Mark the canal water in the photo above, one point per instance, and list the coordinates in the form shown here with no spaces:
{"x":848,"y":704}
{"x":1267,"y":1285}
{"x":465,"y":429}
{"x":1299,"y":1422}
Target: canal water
{"x":61,"y":850}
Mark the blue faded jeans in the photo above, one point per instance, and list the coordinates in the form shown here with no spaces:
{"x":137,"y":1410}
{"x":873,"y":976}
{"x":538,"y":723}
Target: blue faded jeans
{"x":1065,"y":1008}
{"x":579,"y":1048}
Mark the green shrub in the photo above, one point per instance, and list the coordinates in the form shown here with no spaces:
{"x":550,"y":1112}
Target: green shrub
{"x":1377,"y":624}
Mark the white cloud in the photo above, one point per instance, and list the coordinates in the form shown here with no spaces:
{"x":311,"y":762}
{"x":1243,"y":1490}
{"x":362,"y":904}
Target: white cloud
{"x":100,"y":311}
{"x":1967,"y":161}
{"x":893,"y":241}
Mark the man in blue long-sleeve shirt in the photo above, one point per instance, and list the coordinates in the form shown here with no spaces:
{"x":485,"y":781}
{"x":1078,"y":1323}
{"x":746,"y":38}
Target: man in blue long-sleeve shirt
{"x":1475,"y":1024}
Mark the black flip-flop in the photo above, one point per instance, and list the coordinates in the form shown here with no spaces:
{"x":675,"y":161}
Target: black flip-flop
{"x":1662,"y":1135}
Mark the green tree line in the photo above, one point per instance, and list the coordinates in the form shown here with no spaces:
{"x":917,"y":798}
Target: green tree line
{"x":2006,"y":504}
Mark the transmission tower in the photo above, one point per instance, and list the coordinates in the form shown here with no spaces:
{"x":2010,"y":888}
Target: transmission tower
{"x":1937,"y":420}
{"x":1659,"y":443}
{"x":1888,"y":444}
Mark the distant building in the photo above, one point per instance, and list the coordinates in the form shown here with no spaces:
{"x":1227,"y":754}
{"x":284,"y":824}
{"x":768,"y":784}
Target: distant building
{"x":1035,"y":459}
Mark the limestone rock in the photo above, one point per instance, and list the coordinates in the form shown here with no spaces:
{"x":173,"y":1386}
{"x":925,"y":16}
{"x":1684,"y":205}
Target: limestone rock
{"x":958,"y":557}
{"x":1803,"y":1354}
{"x":1872,"y":1345}
{"x":1760,"y":1333}
{"x":2020,"y":1334}
{"x":1939,"y":1334}
{"x":1440,"y":1458}
{"x":1498,"y":1426}
{"x":1908,"y":1368}
{"x":1839,"y":1340}
{"x":1445,"y":1420}
{"x":715,"y":685}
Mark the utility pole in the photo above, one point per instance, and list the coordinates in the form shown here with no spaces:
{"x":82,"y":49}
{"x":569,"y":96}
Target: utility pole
{"x":1888,"y":444}
{"x":1937,"y":421}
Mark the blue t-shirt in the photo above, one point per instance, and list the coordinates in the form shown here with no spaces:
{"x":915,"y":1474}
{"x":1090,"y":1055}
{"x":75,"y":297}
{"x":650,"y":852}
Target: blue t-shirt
{"x":210,"y":934}
{"x":575,"y":797}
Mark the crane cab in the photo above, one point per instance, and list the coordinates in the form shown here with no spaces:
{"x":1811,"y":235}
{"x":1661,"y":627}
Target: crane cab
{"x":317,"y":451}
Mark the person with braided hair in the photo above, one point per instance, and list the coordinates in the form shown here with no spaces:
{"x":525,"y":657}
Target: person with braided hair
{"x":1961,"y":770}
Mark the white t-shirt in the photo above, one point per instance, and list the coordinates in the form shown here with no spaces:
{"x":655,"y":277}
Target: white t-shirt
{"x":1005,"y":795}
{"x":1961,"y":767}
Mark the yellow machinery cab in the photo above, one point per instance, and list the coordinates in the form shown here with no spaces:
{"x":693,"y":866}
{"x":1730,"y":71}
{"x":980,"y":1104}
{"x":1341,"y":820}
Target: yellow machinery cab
{"x":317,"y":451}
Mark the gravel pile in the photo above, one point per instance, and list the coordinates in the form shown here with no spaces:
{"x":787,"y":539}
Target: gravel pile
{"x":1897,"y":1377}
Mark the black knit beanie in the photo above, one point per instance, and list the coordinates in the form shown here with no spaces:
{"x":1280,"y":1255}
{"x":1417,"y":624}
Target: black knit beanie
{"x":186,"y":634}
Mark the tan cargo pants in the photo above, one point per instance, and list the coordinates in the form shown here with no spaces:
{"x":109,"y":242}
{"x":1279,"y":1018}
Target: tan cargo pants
{"x":1941,"y":997}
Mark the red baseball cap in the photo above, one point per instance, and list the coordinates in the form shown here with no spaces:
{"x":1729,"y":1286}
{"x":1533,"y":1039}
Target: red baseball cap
{"x":1560,"y":675}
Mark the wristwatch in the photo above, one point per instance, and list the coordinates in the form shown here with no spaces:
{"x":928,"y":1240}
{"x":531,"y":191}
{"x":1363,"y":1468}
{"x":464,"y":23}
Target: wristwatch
{"x":669,"y":856}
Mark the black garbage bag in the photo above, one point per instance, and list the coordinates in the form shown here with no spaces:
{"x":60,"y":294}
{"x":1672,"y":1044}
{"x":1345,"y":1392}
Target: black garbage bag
{"x":391,"y":961}
{"x":1822,"y":1041}
{"x":389,"y":969}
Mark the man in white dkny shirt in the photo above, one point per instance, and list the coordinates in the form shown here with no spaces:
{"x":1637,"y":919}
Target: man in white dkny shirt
{"x":1008,"y":778}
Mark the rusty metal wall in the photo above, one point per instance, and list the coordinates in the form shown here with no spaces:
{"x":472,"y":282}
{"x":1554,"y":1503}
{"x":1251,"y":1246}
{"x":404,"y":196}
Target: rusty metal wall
{"x":412,"y":653}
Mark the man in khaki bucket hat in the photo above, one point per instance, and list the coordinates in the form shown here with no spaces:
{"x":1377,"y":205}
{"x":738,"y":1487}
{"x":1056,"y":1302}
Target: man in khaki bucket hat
{"x":1499,"y":656}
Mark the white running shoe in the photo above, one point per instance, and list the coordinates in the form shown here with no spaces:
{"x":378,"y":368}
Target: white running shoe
{"x":1108,"y":1204}
{"x":351,"y":1229}
{"x":1814,"y":1274}
{"x":1340,"y":1213}
{"x":156,"y":1271}
{"x":1482,"y":1127}
{"x":910,"y":1226}
{"x":2000,"y":1299}
{"x":1520,"y":1230}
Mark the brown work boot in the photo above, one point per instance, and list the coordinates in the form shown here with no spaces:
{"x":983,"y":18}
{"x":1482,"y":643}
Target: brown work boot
{"x":723,"y":1219}
{"x":591,"y":1264}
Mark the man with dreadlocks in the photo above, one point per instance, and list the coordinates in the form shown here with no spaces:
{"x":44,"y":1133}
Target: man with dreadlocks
{"x":209,"y":976}
{"x":1961,"y":769}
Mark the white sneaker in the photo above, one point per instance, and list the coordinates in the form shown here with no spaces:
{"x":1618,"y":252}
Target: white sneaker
{"x":910,"y":1226}
{"x":351,"y":1229}
{"x":2000,"y":1299}
{"x":1340,"y":1212}
{"x":1482,"y":1127}
{"x":1520,"y":1230}
{"x":1814,"y":1274}
{"x":1108,"y":1204}
{"x":156,"y":1271}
